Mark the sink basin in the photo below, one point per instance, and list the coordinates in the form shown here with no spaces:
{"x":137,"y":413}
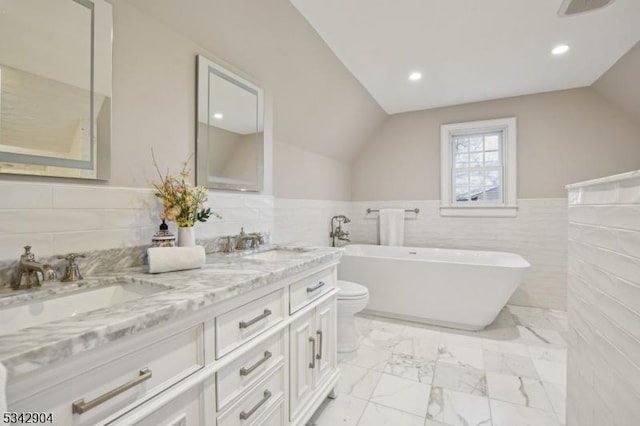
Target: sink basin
{"x":36,"y":312}
{"x":276,"y":254}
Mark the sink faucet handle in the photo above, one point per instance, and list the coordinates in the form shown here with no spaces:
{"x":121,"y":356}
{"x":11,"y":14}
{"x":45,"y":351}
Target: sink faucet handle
{"x":72,"y":271}
{"x":71,"y":257}
{"x":27,"y":255}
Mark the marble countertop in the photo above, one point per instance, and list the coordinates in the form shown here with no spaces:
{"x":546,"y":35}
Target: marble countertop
{"x":182,"y":292}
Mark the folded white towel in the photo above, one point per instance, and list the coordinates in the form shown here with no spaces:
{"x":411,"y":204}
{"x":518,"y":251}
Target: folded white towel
{"x":3,"y":389}
{"x":391,"y":227}
{"x":167,"y":259}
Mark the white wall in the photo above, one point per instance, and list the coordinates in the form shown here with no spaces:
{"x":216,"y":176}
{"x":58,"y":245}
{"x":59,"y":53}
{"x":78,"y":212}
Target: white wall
{"x":318,"y":106}
{"x":603,"y":386}
{"x":563,"y":137}
{"x":154,"y":73}
{"x":298,"y":173}
{"x":619,"y":85}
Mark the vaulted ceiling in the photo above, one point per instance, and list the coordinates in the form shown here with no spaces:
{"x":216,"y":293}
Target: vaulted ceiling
{"x":470,"y":50}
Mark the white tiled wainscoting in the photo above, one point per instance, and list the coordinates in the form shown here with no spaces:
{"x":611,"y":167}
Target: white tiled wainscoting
{"x":604,"y":302}
{"x":306,"y":221}
{"x":538,"y":233}
{"x":60,"y":218}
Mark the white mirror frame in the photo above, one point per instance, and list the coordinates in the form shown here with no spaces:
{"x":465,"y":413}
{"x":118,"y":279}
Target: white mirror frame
{"x":205,"y":67}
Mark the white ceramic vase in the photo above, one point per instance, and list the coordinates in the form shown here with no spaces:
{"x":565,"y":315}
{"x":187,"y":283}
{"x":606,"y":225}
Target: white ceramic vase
{"x":186,"y":236}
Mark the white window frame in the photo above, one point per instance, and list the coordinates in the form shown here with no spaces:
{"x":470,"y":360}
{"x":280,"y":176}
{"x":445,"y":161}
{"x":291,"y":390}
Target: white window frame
{"x":448,"y":206}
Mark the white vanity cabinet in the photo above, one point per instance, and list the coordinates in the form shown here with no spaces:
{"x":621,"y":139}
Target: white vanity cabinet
{"x":87,"y":390}
{"x":265,"y":357}
{"x":312,"y":357}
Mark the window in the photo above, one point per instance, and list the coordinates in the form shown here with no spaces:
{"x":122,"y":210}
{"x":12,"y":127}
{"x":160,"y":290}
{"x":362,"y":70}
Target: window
{"x":478,"y":168}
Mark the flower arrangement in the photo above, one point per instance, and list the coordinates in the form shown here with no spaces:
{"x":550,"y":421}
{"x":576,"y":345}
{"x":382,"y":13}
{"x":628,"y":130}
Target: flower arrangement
{"x":182,"y":202}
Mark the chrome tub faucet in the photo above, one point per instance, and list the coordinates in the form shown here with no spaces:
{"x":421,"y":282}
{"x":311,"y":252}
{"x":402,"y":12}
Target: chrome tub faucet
{"x":337,"y":231}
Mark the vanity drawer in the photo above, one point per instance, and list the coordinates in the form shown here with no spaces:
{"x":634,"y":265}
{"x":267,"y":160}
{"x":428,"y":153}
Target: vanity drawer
{"x":88,"y":398}
{"x":310,"y":288}
{"x":258,"y":403}
{"x":233,"y":379}
{"x":239,"y":325}
{"x":276,"y":416}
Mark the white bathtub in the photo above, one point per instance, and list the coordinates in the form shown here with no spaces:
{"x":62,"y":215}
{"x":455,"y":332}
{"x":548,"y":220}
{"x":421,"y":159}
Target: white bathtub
{"x":453,"y":288}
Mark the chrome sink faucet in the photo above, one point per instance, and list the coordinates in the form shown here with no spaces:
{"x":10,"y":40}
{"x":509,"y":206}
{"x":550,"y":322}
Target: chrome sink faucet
{"x":337,"y":231}
{"x":255,"y":239}
{"x":29,"y":269}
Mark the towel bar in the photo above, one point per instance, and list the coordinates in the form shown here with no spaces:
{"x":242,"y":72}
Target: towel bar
{"x":416,"y":210}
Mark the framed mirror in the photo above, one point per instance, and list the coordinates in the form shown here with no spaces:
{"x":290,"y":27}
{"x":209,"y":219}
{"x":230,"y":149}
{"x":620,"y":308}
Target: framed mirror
{"x":229,"y":129}
{"x":55,"y":88}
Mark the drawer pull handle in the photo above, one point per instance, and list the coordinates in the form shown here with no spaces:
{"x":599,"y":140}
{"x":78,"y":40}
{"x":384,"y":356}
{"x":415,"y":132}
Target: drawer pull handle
{"x":319,"y":356}
{"x":246,"y":371}
{"x":312,"y":364}
{"x":79,"y":406}
{"x":246,"y":414}
{"x":315,"y":287}
{"x":245,"y":324}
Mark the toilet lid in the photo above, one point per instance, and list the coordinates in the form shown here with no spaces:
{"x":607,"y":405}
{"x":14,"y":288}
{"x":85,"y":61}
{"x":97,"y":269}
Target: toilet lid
{"x":351,"y":290}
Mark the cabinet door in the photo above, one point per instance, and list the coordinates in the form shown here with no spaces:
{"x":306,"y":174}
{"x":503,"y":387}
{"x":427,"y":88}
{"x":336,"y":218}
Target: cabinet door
{"x":326,"y":337}
{"x":302,"y":353}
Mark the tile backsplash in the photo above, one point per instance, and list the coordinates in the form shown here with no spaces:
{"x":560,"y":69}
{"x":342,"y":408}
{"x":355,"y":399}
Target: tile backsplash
{"x":56,"y":219}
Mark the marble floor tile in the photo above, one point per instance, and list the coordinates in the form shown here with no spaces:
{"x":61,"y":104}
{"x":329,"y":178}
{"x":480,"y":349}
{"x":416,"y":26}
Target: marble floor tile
{"x":559,"y":319}
{"x":389,"y":325}
{"x":420,"y":348}
{"x":462,"y":379}
{"x":518,"y":390}
{"x":512,"y":373}
{"x":402,"y":394}
{"x":554,"y":372}
{"x":515,"y":365}
{"x":558,"y":397}
{"x":382,"y":339}
{"x":541,"y":336}
{"x":461,"y":338}
{"x":462,"y":356}
{"x":505,"y":347}
{"x":531,"y":317}
{"x":458,"y":409}
{"x":435,"y":423}
{"x":357,"y":381}
{"x":504,"y":319}
{"x":548,"y":354}
{"x":344,"y":410}
{"x":379,"y":415}
{"x":367,"y":357}
{"x":410,"y":367}
{"x":506,"y":414}
{"x":426,"y":331}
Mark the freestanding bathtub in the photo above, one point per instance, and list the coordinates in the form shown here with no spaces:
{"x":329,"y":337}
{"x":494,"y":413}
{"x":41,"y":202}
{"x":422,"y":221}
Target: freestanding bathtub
{"x":453,"y":288}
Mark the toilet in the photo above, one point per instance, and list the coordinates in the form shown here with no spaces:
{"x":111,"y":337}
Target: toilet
{"x":352,"y":298}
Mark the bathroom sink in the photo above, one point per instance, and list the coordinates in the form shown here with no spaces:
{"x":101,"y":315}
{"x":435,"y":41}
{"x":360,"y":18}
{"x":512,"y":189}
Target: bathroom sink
{"x":18,"y":316}
{"x":275,"y":254}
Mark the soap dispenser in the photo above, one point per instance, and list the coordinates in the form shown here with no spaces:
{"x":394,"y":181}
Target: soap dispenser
{"x":163,"y":238}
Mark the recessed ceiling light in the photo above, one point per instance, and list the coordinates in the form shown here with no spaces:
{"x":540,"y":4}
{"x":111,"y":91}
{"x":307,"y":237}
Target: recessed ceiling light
{"x":560,"y":49}
{"x":415,"y":76}
{"x":218,"y":116}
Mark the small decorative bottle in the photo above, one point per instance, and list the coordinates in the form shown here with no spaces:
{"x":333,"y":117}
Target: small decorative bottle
{"x":163,"y":238}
